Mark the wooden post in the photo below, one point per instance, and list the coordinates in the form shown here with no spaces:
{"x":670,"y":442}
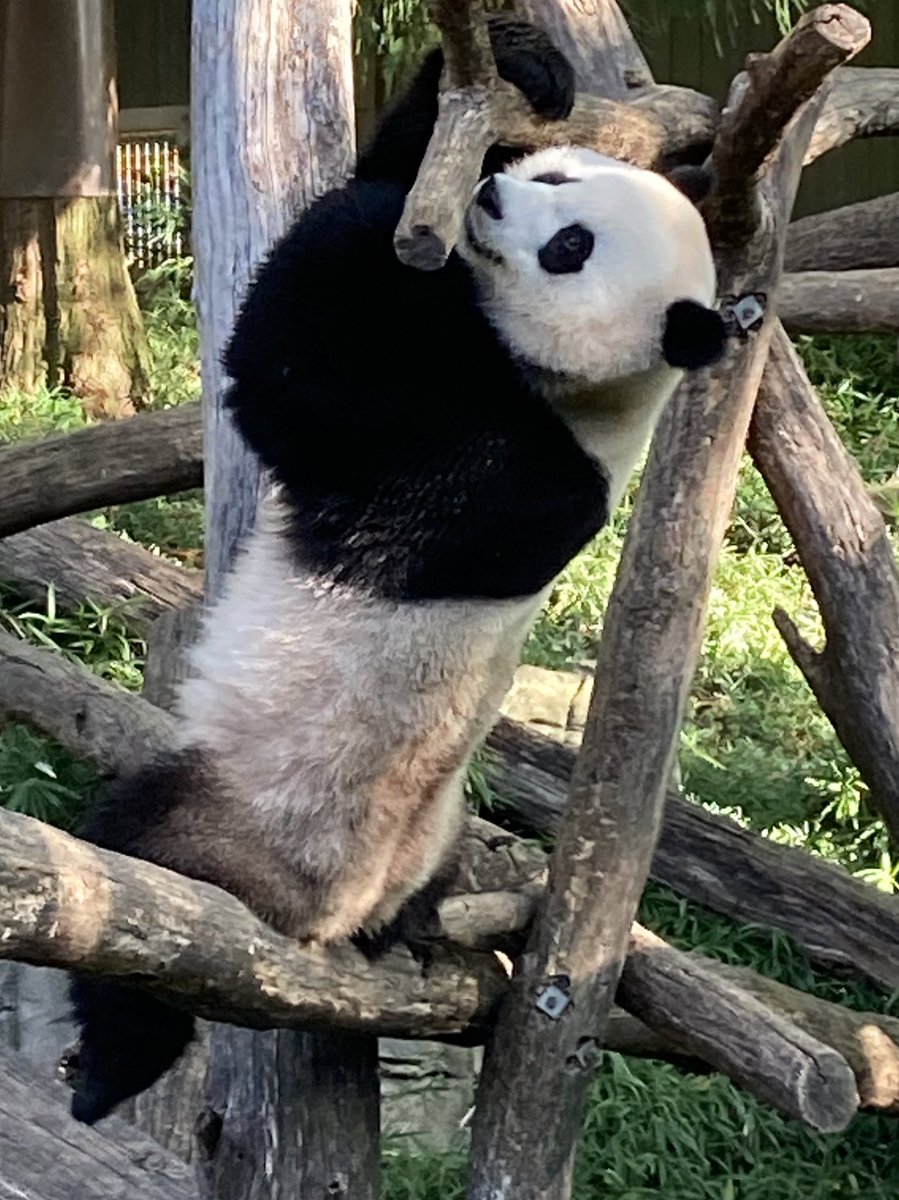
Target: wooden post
{"x":272,"y":112}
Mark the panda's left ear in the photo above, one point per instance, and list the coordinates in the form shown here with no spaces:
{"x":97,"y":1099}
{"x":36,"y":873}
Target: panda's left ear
{"x":694,"y":182}
{"x":694,"y":337}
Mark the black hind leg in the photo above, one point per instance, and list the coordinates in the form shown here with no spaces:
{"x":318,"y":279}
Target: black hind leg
{"x":414,"y":926}
{"x":128,"y":1039}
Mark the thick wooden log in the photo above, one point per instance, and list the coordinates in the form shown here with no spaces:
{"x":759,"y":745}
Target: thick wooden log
{"x":842,"y":541}
{"x":651,"y":641}
{"x":81,"y":562}
{"x":839,"y":921}
{"x":855,"y":237}
{"x":863,"y":102}
{"x":152,"y":454}
{"x":45,"y":1155}
{"x":115,"y":729}
{"x":841,"y":301}
{"x":595,"y":38}
{"x":67,"y":904}
{"x":730,"y":1029}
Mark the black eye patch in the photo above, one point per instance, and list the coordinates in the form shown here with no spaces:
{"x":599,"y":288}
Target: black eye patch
{"x":566,"y":251}
{"x":555,"y":178}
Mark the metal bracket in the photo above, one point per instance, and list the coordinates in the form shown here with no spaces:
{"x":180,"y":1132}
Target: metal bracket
{"x":555,"y":997}
{"x":743,"y":314}
{"x":586,"y":1055}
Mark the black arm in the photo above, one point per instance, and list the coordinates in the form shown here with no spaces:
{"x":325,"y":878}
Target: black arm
{"x":525,"y":57}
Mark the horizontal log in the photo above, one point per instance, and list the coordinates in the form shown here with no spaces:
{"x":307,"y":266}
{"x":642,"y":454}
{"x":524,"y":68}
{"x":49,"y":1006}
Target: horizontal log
{"x":81,"y":562}
{"x":841,"y":301}
{"x":862,"y":102}
{"x":68,"y":904}
{"x":46,"y":1155}
{"x":152,"y":454}
{"x":708,"y":858}
{"x":838,"y":920}
{"x":856,"y":237}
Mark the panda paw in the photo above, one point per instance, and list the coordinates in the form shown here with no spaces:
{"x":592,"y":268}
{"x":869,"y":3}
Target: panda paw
{"x":527,"y":58}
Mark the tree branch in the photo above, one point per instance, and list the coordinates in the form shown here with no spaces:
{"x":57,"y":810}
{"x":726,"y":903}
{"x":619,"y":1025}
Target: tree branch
{"x":863,"y":102}
{"x":841,"y":301}
{"x":842,"y":541}
{"x":152,"y":454}
{"x":855,"y":237}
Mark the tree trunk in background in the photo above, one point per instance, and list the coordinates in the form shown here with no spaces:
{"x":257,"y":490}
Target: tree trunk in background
{"x":68,"y":313}
{"x":288,"y":1114}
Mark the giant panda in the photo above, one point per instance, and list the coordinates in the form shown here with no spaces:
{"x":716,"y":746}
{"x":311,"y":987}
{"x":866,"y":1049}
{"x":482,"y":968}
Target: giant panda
{"x":440,"y":444}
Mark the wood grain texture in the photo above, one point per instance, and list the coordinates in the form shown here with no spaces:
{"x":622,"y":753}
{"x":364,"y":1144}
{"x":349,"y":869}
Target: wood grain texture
{"x":838,"y":920}
{"x":115,"y":729}
{"x":841,"y":301}
{"x":863,"y":102}
{"x":842,"y":541}
{"x":651,"y":640}
{"x":153,"y":454}
{"x":856,"y":237}
{"x":68,"y":904}
{"x":81,"y":562}
{"x":46,"y":1155}
{"x":732,"y":1030}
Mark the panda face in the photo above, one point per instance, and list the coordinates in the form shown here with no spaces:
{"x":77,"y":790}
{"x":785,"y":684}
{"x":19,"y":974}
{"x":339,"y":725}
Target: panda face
{"x":578,"y":258}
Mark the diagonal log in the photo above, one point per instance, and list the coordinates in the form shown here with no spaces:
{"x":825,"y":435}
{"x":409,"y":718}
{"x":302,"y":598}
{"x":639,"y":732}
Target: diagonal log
{"x":113,"y":463}
{"x":81,"y":562}
{"x":650,"y":645}
{"x":842,"y":541}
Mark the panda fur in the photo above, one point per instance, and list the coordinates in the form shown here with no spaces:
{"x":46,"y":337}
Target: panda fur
{"x":440,"y":445}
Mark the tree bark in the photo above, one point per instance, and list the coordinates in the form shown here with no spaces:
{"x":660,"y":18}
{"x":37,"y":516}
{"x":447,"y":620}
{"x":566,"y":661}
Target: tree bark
{"x":841,"y":301}
{"x":150,"y":455}
{"x":556,"y":1010}
{"x":262,"y":150}
{"x":863,"y":102}
{"x":855,"y":237}
{"x":45,"y":1155}
{"x":69,"y":313}
{"x":842,"y":541}
{"x":83,"y":563}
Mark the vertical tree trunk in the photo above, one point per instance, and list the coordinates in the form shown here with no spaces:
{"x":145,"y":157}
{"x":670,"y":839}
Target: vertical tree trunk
{"x":288,"y":1115}
{"x":68,"y":313}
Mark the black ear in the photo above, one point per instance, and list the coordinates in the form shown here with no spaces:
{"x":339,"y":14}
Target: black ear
{"x":694,"y":337}
{"x":694,"y":182}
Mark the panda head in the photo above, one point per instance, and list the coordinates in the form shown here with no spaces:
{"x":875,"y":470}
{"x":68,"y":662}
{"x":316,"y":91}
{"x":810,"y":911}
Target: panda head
{"x":593,"y":269}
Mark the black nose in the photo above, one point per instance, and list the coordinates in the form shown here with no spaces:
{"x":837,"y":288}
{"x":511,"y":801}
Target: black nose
{"x":488,"y":198}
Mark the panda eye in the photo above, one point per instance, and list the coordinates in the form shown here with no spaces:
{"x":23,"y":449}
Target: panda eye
{"x":566,"y":251}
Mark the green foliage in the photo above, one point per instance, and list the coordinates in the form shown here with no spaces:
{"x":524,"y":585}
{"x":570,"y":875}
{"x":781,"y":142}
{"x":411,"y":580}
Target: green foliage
{"x":170,"y":321}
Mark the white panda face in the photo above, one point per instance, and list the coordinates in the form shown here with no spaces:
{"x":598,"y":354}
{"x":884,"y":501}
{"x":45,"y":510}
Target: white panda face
{"x":578,"y":257}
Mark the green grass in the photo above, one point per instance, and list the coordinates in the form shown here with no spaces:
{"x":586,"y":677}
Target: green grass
{"x":755,"y":746}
